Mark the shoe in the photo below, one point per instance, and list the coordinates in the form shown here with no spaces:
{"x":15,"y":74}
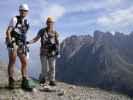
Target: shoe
{"x":52,"y":83}
{"x":27,"y":85}
{"x":43,"y":81}
{"x":11,"y":83}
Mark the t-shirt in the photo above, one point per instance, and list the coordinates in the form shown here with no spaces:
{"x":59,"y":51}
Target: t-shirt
{"x":44,"y":35}
{"x":13,"y":23}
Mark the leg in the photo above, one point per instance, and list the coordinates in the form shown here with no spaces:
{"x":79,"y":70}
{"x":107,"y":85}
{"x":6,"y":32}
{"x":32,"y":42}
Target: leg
{"x":26,"y":84}
{"x":24,"y":65}
{"x":11,"y":67}
{"x":52,"y":62}
{"x":44,"y":68}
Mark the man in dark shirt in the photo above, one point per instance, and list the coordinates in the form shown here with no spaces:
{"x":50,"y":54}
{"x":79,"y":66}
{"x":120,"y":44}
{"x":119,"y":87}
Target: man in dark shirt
{"x":48,"y":51}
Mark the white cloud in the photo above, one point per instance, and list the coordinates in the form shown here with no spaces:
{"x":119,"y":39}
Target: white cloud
{"x":54,"y":10}
{"x":93,"y":5}
{"x":118,"y":19}
{"x":45,"y":9}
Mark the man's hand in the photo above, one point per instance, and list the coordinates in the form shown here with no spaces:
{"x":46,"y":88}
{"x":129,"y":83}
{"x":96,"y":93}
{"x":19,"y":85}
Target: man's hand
{"x":58,"y":56}
{"x":8,"y":39}
{"x":27,"y":42}
{"x":9,"y":43}
{"x":33,"y":40}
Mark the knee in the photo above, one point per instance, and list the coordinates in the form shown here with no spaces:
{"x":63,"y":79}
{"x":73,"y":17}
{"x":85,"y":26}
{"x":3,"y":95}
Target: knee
{"x":24,"y":63}
{"x":23,"y":60}
{"x":12,"y":58}
{"x":52,"y":68}
{"x":12,"y":62}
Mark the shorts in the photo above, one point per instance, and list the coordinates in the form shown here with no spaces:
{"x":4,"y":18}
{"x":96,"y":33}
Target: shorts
{"x":20,"y":50}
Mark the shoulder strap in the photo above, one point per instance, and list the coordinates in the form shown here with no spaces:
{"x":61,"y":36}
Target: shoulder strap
{"x":56,"y":34}
{"x":26,"y":23}
{"x":45,"y":33}
{"x":56,"y":37}
{"x":19,"y":21}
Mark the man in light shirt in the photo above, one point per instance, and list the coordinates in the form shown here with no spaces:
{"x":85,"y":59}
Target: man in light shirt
{"x":16,"y":44}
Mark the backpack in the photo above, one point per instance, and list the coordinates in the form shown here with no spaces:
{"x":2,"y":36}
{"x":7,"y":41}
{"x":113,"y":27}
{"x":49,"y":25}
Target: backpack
{"x":47,"y":37}
{"x":47,"y":44}
{"x":23,"y":28}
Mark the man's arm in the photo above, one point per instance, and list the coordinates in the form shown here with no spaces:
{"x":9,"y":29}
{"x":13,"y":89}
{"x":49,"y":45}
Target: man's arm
{"x":8,"y":39}
{"x":58,"y":45}
{"x":34,"y":40}
{"x":12,"y":24}
{"x":8,"y":33}
{"x":57,"y":39}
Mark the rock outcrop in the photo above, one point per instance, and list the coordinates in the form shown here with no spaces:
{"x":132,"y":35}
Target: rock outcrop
{"x":62,"y":91}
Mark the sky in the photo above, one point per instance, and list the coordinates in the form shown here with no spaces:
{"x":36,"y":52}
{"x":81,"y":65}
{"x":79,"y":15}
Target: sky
{"x":72,"y":17}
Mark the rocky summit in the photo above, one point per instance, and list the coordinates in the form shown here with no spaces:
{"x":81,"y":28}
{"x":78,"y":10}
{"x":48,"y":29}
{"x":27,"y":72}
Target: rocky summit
{"x":62,"y":91}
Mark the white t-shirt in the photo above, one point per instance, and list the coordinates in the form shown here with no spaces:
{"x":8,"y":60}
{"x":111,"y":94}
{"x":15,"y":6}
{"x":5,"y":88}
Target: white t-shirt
{"x":13,"y":23}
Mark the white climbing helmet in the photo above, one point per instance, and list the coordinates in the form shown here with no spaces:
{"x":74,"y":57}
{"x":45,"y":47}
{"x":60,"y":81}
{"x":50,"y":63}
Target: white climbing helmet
{"x":24,"y":7}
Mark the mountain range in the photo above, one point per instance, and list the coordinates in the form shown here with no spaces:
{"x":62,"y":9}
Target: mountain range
{"x":103,"y":60}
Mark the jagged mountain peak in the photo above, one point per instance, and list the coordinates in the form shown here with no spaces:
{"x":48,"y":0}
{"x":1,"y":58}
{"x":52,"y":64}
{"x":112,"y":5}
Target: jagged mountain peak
{"x":101,"y":63}
{"x":72,"y":44}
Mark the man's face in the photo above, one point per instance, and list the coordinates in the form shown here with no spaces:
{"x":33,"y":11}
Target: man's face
{"x":50,"y":24}
{"x":23,"y":13}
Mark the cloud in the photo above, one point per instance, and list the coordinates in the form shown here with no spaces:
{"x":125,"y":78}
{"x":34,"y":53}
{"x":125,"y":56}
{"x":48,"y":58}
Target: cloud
{"x":92,"y":5}
{"x":54,"y":10}
{"x":76,"y":14}
{"x":43,"y":9}
{"x":118,"y":19}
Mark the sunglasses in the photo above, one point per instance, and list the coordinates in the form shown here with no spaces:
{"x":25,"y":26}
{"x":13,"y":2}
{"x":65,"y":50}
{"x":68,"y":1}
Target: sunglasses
{"x":24,"y":10}
{"x":50,"y":22}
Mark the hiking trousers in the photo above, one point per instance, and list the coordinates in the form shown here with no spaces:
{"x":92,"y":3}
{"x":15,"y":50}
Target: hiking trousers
{"x":48,"y":68}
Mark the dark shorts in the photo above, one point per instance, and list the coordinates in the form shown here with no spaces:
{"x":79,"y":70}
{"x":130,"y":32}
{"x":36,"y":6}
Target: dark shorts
{"x":18,"y":49}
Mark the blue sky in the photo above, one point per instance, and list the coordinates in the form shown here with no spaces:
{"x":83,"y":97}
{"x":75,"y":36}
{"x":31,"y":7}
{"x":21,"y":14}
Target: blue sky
{"x":73,"y":16}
